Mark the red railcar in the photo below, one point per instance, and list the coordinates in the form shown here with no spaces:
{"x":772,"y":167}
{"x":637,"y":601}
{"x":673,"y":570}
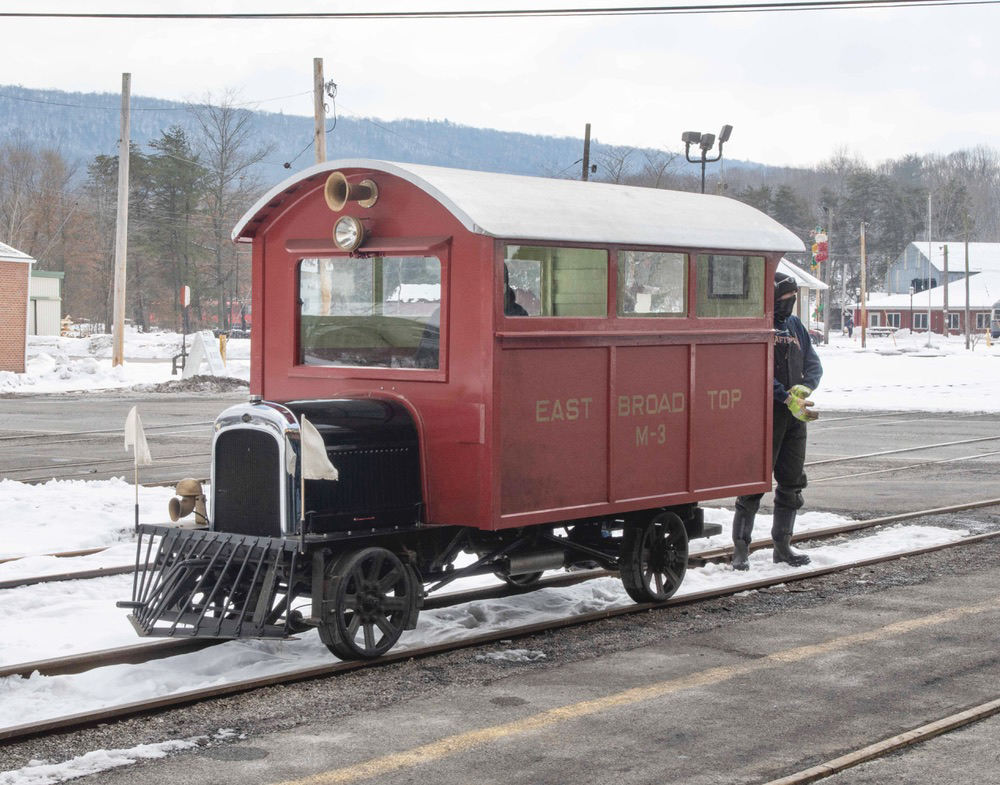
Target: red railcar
{"x":540,"y":373}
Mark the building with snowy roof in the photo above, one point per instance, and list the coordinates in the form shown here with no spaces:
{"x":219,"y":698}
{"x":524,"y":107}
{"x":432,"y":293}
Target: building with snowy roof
{"x":15,"y":278}
{"x":906,"y":311}
{"x":808,"y":295}
{"x":911,"y":267}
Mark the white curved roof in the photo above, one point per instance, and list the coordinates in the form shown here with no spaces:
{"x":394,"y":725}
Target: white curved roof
{"x":537,"y":208}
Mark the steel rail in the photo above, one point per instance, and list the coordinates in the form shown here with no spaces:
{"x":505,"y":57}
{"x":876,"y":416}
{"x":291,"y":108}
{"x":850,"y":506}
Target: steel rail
{"x":106,"y":432}
{"x":113,"y":461}
{"x":904,"y":468}
{"x":887,"y":746}
{"x":825,"y":461}
{"x":91,"y":718}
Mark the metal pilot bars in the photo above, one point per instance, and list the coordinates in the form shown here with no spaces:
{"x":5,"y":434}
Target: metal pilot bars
{"x":348,"y":231}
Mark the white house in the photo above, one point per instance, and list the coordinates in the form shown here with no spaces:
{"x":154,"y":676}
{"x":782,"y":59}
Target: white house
{"x":808,"y":284}
{"x":45,"y":303}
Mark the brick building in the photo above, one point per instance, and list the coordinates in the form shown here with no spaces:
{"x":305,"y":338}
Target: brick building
{"x":15,"y":275}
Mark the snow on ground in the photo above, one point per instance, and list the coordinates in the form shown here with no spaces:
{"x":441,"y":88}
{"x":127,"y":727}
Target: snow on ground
{"x":56,"y":364}
{"x":56,"y":619}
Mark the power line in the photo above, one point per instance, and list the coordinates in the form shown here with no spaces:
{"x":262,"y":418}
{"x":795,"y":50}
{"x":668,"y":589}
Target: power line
{"x":800,"y":5}
{"x":184,"y":106}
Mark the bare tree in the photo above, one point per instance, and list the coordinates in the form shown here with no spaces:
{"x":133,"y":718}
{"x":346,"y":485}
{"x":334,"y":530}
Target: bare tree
{"x":613,"y":163}
{"x":228,"y":150}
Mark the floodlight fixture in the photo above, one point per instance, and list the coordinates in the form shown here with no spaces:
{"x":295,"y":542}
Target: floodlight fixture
{"x":705,"y":142}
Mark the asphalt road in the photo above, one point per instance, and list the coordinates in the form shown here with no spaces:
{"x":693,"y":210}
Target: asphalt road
{"x":78,"y":436}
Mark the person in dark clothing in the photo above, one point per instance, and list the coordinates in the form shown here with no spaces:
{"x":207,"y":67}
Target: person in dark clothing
{"x":797,"y":371}
{"x":510,"y":305}
{"x":849,"y":323}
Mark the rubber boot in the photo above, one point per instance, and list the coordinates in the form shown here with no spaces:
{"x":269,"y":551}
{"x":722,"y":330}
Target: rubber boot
{"x":781,"y":533}
{"x":742,"y":529}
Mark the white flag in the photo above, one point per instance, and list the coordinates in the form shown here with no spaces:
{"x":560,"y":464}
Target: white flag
{"x":315,"y":464}
{"x":135,"y":438}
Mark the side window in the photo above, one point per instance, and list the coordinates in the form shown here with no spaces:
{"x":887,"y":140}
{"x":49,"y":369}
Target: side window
{"x":549,"y":281}
{"x":652,"y":283}
{"x":381,"y":311}
{"x":730,"y":286}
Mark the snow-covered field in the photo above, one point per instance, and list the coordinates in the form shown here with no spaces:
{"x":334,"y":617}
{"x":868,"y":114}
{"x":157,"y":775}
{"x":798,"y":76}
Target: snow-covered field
{"x":64,"y":618}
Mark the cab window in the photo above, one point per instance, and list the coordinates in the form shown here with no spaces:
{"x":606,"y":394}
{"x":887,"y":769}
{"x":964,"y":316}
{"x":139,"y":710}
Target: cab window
{"x":730,"y":286}
{"x":550,"y":281}
{"x":380,"y":311}
{"x":652,"y":283}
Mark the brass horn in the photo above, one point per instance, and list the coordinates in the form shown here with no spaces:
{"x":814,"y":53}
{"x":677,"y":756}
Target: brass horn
{"x":189,"y":497}
{"x":339,"y":192}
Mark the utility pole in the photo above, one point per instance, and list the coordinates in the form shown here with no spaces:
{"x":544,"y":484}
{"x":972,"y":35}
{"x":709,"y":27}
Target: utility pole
{"x":586,"y":153}
{"x":968,"y":327}
{"x":827,"y":298}
{"x":944,"y":293}
{"x":121,"y":235}
{"x":864,"y":294}
{"x":929,"y":252}
{"x":319,"y":110}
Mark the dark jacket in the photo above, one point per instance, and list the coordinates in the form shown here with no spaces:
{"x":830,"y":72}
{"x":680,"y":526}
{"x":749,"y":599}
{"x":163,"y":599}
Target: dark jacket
{"x":795,"y":359}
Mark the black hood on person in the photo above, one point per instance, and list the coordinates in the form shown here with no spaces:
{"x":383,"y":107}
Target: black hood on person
{"x":783,"y":284}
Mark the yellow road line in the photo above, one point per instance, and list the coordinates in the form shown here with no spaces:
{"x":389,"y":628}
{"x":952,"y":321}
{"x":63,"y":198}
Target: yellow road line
{"x":453,"y":745}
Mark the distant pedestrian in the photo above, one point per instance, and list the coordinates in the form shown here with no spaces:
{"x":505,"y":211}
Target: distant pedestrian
{"x":849,"y":323}
{"x":797,"y":371}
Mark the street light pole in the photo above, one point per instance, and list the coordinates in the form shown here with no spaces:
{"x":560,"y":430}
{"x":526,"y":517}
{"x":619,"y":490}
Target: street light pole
{"x":705,"y":142}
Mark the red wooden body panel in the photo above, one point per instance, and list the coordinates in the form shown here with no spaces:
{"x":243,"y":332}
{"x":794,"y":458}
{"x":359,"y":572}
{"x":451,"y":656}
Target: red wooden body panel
{"x":529,"y":420}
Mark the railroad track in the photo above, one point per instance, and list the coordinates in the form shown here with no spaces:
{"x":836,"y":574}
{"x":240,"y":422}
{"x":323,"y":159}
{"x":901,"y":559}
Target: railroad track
{"x":698,"y":557}
{"x":145,"y":652}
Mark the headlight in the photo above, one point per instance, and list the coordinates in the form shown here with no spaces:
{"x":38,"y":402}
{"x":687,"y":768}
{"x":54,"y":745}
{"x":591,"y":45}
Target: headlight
{"x":348,"y":233}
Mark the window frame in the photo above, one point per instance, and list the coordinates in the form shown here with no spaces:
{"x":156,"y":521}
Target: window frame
{"x":619,"y":291}
{"x":542,"y":320}
{"x":440,"y":251}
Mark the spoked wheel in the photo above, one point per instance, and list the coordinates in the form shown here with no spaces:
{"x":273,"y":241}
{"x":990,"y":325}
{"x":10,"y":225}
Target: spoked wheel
{"x":654,"y":557}
{"x":524,"y":581}
{"x":371,"y":599}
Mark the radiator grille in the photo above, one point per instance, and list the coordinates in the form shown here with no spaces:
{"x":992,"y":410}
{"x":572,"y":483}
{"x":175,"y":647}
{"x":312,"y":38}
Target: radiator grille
{"x":247,"y":491}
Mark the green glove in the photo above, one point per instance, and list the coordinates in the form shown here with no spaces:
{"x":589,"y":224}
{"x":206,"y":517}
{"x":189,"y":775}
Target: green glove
{"x":800,"y":407}
{"x":800,"y":391}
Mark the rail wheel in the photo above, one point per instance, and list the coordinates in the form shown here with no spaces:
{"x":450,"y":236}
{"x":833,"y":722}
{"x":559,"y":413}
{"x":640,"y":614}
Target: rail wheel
{"x":371,"y":599}
{"x":654,"y":557}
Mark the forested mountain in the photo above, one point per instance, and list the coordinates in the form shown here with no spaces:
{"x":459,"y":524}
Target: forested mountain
{"x":83,"y":125}
{"x":195,"y":168}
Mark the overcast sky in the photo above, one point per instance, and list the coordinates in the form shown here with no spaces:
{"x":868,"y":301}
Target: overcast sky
{"x":796,"y":86}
